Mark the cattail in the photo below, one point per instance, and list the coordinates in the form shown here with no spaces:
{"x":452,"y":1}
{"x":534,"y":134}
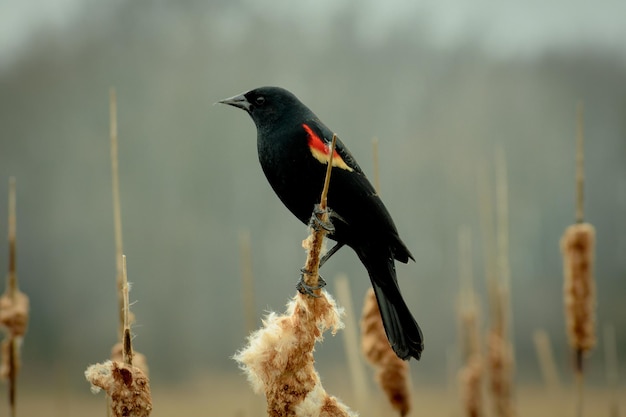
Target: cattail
{"x":126,"y":385}
{"x":14,"y":309}
{"x":117,"y":349}
{"x":278,"y":359}
{"x":392,"y":373}
{"x":500,"y":360}
{"x":471,"y":375}
{"x":577,"y":247}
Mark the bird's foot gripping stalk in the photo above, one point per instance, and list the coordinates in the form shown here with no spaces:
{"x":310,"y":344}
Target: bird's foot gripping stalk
{"x":304,"y":288}
{"x":316,"y":221}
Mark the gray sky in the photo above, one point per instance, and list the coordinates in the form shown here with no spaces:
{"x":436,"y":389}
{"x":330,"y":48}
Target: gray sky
{"x":502,"y":27}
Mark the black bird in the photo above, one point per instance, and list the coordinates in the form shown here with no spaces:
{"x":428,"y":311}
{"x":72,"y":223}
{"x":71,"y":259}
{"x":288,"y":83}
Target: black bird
{"x":293,"y":147}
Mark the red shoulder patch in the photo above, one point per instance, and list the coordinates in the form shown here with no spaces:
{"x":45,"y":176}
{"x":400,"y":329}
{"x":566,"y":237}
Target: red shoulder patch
{"x":320,"y":149}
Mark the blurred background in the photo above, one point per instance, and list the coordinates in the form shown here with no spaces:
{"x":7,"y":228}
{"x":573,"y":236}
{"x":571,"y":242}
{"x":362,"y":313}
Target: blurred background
{"x":441,"y":84}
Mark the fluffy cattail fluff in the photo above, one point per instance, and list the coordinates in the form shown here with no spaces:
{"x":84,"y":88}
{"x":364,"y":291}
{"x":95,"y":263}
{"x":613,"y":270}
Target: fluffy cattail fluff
{"x":126,"y":385}
{"x":577,"y":247}
{"x":278,"y":359}
{"x":392,"y":373}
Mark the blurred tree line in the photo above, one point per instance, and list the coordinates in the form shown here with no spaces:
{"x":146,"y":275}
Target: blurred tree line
{"x":190,"y":181}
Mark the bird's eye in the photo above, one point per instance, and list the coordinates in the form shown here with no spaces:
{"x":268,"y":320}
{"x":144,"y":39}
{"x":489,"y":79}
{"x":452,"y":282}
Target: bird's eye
{"x":260,"y":101}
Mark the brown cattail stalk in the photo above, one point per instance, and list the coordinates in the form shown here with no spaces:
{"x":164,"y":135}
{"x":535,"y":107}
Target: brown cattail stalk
{"x":126,"y":385}
{"x":580,"y":164}
{"x":278,"y":359}
{"x":471,"y":375}
{"x":392,"y":373}
{"x":577,"y":248}
{"x":14,"y":308}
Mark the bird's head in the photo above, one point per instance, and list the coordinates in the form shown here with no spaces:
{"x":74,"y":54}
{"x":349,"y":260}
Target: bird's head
{"x":268,"y":105}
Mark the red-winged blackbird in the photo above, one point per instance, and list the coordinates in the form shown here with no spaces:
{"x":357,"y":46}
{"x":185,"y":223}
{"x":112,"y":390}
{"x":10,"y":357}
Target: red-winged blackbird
{"x":293,"y":146}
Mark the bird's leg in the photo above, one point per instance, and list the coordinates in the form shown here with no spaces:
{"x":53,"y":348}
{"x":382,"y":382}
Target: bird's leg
{"x":330,"y":253}
{"x":317,"y":223}
{"x":308,"y":289}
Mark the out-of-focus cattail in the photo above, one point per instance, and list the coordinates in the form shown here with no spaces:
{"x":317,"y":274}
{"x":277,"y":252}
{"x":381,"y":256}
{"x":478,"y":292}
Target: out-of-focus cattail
{"x":14,"y":310}
{"x":392,"y":373}
{"x":471,"y":375}
{"x":547,"y":364}
{"x":577,"y":246}
{"x":500,"y":355}
{"x":579,"y":292}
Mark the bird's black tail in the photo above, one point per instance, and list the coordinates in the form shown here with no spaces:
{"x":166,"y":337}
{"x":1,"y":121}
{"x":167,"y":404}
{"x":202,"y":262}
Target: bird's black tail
{"x":403,"y":332}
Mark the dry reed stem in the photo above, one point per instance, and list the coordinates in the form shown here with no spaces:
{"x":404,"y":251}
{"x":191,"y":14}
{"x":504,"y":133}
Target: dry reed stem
{"x":278,"y":359}
{"x":117,"y":212}
{"x":500,"y":349}
{"x":392,"y":373}
{"x":351,"y":343}
{"x":577,"y":247}
{"x":611,"y":368}
{"x":580,"y":160}
{"x":505,"y":316}
{"x":547,"y":364}
{"x":14,"y":309}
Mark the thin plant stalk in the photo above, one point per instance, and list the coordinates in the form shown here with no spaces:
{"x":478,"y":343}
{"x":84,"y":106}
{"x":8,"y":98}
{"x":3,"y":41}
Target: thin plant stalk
{"x":117,"y":212}
{"x":14,"y":309}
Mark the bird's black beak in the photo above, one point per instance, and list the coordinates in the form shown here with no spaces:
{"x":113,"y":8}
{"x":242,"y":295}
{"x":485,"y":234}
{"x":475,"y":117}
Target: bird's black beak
{"x":239,"y":101}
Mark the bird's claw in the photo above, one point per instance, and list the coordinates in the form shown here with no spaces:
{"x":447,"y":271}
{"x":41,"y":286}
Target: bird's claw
{"x":304,"y":288}
{"x":317,"y":223}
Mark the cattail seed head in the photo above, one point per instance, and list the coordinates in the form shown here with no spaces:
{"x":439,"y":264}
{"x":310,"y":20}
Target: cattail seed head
{"x":577,"y":247}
